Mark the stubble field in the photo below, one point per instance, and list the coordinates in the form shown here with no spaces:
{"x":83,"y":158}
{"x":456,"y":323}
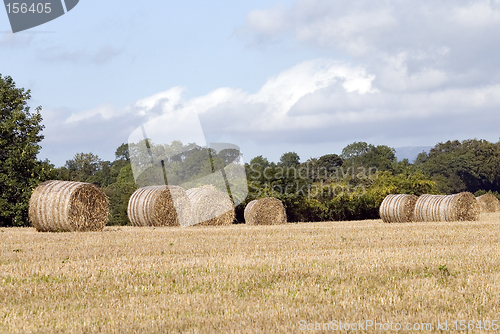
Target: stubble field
{"x":250,"y":279}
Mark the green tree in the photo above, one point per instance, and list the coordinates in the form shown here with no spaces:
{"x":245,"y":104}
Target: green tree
{"x":229,"y":155}
{"x":125,"y":175}
{"x":121,"y":188}
{"x":330,"y":160}
{"x":88,"y":167}
{"x":290,"y":159}
{"x":122,"y":152}
{"x":104,"y":176}
{"x":361,"y":154}
{"x":422,"y":158}
{"x":119,"y":194}
{"x":83,"y":166}
{"x":470,"y":165}
{"x":20,"y":135}
{"x":320,"y":169}
{"x":355,"y":150}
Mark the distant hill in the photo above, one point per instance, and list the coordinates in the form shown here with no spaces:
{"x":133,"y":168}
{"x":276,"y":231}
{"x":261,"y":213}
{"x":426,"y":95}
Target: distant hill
{"x":410,"y":152}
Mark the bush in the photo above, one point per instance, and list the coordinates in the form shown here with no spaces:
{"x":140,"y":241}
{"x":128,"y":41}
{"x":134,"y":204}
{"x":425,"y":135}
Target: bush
{"x":119,"y":195}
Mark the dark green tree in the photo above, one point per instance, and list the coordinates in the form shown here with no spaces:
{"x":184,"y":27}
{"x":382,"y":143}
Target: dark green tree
{"x":122,"y":152}
{"x":470,"y":165}
{"x":20,"y":135}
{"x":330,"y":160}
{"x":355,"y":150}
{"x":105,"y":175}
{"x":229,"y":155}
{"x":361,"y":154}
{"x":83,"y":166}
{"x":259,"y":170}
{"x":421,"y":158}
{"x":119,"y":194}
{"x":323,"y":168}
{"x":290,"y":159}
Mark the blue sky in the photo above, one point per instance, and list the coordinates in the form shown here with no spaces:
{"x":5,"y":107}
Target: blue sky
{"x":308,"y":76}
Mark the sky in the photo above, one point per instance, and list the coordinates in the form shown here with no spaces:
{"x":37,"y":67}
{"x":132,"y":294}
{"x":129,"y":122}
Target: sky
{"x":308,"y":76}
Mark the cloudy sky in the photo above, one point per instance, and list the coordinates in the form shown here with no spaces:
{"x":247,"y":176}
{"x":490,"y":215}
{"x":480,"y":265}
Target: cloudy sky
{"x":309,"y":76}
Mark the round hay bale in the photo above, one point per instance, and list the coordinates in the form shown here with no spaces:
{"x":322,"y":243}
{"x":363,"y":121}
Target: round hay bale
{"x":265,"y":211}
{"x":64,"y":206}
{"x":398,"y":208}
{"x":159,"y":206}
{"x":488,"y":203}
{"x":435,"y":208}
{"x":210,"y":207}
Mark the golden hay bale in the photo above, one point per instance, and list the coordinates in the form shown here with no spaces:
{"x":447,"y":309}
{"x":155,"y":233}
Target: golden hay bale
{"x":159,"y":206}
{"x":265,"y":211}
{"x":211,"y":206}
{"x":488,"y":203}
{"x":63,"y":206}
{"x":398,"y":208}
{"x":435,"y":208}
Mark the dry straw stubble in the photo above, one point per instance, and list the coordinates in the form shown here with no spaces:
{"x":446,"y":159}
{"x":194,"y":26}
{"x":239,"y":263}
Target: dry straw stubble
{"x":488,"y":203}
{"x":159,"y":206}
{"x":265,"y":211}
{"x":64,"y":206}
{"x":398,"y":208}
{"x":457,"y":207}
{"x":210,"y":206}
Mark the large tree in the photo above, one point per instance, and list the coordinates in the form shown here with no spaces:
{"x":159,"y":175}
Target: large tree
{"x":470,"y":165}
{"x":361,"y":154}
{"x":20,"y":135}
{"x":289,"y":160}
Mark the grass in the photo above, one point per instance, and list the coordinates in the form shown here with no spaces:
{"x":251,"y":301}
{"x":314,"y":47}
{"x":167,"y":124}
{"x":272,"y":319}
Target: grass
{"x":249,"y":279}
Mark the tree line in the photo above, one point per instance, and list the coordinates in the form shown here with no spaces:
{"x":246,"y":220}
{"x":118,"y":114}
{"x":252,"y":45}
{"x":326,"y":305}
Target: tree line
{"x":345,"y":186}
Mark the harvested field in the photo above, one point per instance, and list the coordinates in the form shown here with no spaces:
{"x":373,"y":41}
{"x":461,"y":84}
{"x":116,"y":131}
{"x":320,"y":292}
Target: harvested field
{"x":248,"y":279}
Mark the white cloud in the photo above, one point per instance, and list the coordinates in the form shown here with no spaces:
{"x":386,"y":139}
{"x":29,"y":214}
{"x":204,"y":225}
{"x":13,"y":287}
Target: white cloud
{"x":417,"y":73}
{"x":350,"y":32}
{"x":217,"y":97}
{"x":283,"y":91}
{"x":349,"y":25}
{"x":268,"y":22}
{"x":371,"y":31}
{"x":313,"y":102}
{"x":158,"y":103}
{"x":394,"y":76}
{"x":480,"y":14}
{"x":104,"y":111}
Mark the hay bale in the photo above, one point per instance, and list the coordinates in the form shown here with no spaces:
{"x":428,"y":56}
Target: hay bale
{"x":435,"y":208}
{"x":398,"y":208}
{"x":265,"y":211}
{"x":63,"y":206}
{"x":210,"y":206}
{"x":488,"y":203}
{"x":159,"y":206}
